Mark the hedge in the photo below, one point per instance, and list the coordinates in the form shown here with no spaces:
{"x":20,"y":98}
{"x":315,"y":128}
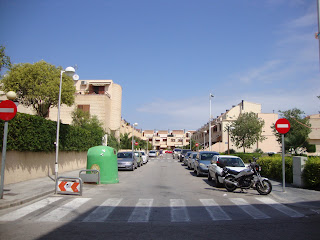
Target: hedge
{"x":311,"y":173}
{"x":271,"y":167}
{"x":36,"y":134}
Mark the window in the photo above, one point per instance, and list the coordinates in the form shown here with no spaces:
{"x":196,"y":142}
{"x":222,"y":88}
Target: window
{"x":85,"y":108}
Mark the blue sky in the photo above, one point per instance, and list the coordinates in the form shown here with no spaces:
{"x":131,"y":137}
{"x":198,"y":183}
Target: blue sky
{"x":168,"y":55}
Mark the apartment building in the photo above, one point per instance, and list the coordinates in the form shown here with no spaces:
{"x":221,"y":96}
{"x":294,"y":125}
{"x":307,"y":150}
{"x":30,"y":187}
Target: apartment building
{"x":98,"y":97}
{"x":219,"y":130}
{"x":164,"y":139}
{"x":314,"y":136}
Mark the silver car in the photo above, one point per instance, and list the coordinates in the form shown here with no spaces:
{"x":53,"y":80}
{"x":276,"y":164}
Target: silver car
{"x":152,"y":153}
{"x":126,"y":161}
{"x":144,"y":157}
{"x":191,"y":160}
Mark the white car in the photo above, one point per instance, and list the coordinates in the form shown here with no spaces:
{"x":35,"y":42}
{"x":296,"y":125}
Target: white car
{"x":152,"y":153}
{"x":215,"y":170}
{"x":144,"y":157}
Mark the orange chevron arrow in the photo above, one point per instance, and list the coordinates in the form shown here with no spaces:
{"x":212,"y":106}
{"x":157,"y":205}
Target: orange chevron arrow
{"x":74,"y":187}
{"x":61,"y":186}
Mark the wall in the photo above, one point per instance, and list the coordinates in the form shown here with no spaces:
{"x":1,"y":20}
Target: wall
{"x":22,"y":166}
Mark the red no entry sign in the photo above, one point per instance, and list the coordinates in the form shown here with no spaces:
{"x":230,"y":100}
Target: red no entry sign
{"x":197,"y":144}
{"x":8,"y":110}
{"x":282,"y":125}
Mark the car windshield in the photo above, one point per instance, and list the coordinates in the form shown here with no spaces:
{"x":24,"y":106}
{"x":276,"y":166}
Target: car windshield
{"x":142,"y":153}
{"x":124,"y":155}
{"x":207,"y":156}
{"x":152,"y":152}
{"x":232,"y":162}
{"x":177,"y":150}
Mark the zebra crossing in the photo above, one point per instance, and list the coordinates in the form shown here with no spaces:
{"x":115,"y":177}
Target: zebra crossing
{"x":59,"y":209}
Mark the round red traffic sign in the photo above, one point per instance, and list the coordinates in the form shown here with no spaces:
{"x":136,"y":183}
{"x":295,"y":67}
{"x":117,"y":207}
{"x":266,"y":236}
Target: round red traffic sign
{"x":136,"y":143}
{"x":197,"y":144}
{"x":282,"y":125}
{"x":8,"y":110}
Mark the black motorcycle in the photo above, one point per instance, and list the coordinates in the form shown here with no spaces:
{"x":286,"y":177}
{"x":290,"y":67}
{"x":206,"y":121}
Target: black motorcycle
{"x":247,"y":178}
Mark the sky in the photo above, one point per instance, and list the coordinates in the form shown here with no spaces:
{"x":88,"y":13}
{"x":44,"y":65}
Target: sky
{"x":169,"y":55}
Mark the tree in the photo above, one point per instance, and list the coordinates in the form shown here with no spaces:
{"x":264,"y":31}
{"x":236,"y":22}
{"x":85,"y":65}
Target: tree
{"x":125,"y":141}
{"x":299,"y":130}
{"x":37,"y":85}
{"x":84,"y":120}
{"x":113,"y":141}
{"x":4,"y":59}
{"x":246,"y":130}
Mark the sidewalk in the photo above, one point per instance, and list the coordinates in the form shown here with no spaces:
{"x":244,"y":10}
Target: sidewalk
{"x":19,"y":193}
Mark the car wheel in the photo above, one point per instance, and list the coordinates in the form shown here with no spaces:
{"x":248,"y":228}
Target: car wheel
{"x":209,"y":177}
{"x":198,"y":173}
{"x":132,"y":168}
{"x":217,"y":183}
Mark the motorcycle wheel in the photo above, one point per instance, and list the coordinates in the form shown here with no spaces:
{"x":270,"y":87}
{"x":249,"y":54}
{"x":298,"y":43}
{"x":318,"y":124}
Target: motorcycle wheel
{"x":230,"y":187}
{"x":265,"y":188}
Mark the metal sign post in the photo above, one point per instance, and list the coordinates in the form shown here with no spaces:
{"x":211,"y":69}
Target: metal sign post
{"x":283,"y":126}
{"x":8,"y":110}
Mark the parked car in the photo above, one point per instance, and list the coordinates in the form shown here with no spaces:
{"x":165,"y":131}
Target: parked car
{"x":186,"y":157}
{"x":183,"y":153}
{"x":126,"y":161}
{"x":169,"y":151}
{"x":191,"y":160}
{"x":144,"y":157}
{"x":139,"y":158}
{"x":176,"y":153}
{"x":202,"y":161}
{"x":152,"y":153}
{"x":215,"y":169}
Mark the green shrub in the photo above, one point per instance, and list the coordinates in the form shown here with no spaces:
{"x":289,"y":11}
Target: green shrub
{"x":36,"y":134}
{"x":272,"y":167}
{"x":246,"y":157}
{"x":311,"y":173}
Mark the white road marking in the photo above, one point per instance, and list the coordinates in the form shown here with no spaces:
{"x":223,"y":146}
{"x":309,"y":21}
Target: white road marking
{"x":280,"y":207}
{"x":101,"y":213}
{"x":249,"y":209}
{"x":141,"y":212}
{"x":60,"y":212}
{"x":214,"y":210}
{"x":21,"y":212}
{"x":179,"y":211}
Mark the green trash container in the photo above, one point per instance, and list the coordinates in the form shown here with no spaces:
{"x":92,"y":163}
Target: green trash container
{"x":104,"y":159}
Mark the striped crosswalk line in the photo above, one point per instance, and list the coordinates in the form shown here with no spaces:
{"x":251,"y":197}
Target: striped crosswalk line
{"x":179,"y":211}
{"x":280,"y":207}
{"x":214,"y":210}
{"x":249,"y":209}
{"x":101,"y":213}
{"x":60,"y":212}
{"x":141,"y":212}
{"x":21,"y":212}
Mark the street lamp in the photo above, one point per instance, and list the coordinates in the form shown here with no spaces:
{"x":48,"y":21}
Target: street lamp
{"x":211,"y":96}
{"x":69,"y":71}
{"x":133,"y":125}
{"x":204,"y":139}
{"x":229,"y":128}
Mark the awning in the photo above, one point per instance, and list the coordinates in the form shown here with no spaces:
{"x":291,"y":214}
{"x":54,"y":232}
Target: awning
{"x":99,"y":84}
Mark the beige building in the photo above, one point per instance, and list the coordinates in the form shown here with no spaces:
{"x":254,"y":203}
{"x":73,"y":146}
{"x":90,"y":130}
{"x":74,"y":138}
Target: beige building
{"x":99,"y":97}
{"x":219,"y":132}
{"x":314,"y":136}
{"x":164,"y":139}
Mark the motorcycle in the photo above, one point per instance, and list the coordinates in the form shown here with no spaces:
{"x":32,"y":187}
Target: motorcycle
{"x":247,"y":178}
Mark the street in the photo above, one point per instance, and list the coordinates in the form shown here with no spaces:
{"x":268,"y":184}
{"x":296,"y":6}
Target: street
{"x":160,"y":200}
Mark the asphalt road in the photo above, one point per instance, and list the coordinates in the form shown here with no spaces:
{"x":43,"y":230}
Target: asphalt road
{"x":160,"y":200}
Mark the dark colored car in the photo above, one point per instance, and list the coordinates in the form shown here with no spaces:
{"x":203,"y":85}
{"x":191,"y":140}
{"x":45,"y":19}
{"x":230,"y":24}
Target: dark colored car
{"x":203,"y":160}
{"x":183,"y":154}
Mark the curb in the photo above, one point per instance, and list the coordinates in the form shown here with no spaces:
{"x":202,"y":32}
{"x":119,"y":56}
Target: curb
{"x":23,"y":201}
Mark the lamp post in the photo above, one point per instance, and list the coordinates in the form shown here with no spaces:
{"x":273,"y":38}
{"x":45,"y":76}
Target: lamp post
{"x":204,"y":139}
{"x":211,"y":96}
{"x":69,"y":71}
{"x":133,"y":125}
{"x":229,"y":128}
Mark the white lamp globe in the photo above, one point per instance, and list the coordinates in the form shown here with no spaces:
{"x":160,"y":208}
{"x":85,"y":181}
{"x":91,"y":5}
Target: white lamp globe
{"x":11,"y":95}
